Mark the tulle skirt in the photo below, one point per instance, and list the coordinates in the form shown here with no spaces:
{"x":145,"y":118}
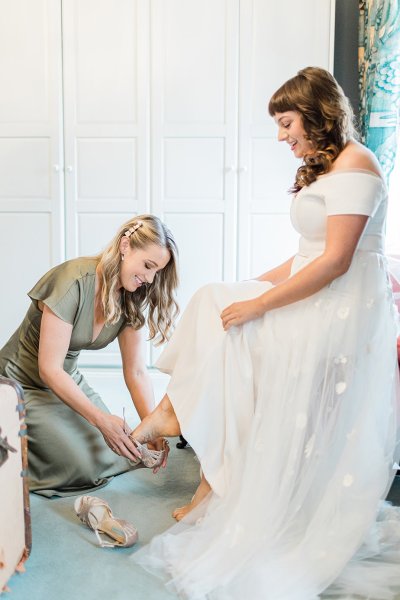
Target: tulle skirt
{"x":295,"y":420}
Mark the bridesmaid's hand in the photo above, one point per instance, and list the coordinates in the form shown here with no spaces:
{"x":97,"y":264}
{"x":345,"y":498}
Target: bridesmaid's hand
{"x":241,"y":312}
{"x":116,"y":435}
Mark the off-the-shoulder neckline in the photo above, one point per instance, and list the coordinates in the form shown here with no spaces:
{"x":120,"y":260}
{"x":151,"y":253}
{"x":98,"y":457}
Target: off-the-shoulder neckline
{"x":362,"y":171}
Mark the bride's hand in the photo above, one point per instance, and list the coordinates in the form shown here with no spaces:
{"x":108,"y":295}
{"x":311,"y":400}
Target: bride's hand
{"x":240,"y":312}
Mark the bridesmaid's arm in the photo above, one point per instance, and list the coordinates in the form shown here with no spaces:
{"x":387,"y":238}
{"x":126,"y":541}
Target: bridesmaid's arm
{"x":55,"y":338}
{"x":132,"y":345}
{"x":137,"y":379}
{"x":343,"y":234}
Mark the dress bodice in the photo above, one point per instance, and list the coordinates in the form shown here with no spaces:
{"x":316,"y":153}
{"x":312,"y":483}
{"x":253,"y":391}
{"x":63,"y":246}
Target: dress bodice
{"x":69,"y":291}
{"x":340,"y":193}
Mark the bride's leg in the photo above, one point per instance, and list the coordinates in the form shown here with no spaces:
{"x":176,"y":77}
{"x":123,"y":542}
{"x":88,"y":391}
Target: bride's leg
{"x":199,"y":495}
{"x":161,"y":422}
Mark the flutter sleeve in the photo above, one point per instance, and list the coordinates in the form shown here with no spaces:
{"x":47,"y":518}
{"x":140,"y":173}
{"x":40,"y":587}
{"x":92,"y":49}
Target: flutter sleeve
{"x":352,"y":193}
{"x":60,"y":292}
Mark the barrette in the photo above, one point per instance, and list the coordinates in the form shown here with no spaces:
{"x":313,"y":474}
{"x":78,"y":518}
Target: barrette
{"x":132,"y":229}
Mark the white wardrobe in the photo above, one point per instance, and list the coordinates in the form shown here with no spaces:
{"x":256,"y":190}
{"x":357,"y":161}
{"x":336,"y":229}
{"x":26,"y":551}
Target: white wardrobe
{"x":110,"y":108}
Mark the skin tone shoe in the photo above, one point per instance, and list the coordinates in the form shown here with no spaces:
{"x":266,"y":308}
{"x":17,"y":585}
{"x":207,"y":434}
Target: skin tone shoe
{"x":96,"y":514}
{"x":153,"y":459}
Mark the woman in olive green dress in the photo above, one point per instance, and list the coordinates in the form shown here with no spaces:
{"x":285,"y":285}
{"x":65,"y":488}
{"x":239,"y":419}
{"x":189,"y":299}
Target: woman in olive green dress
{"x":74,"y":442}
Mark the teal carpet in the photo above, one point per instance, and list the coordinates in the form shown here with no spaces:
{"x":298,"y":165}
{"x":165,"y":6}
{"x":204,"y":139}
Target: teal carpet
{"x":67,"y":564}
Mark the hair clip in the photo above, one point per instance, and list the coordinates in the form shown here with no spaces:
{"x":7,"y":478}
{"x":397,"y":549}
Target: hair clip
{"x":132,"y":229}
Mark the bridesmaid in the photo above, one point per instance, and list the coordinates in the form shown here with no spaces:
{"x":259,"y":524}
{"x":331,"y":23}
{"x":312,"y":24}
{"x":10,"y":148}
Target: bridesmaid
{"x":75,"y":444}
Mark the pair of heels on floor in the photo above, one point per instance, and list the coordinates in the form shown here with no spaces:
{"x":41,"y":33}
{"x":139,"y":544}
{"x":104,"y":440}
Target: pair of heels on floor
{"x":96,"y":514}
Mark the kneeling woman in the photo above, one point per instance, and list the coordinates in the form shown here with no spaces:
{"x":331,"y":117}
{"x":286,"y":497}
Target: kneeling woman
{"x":85,"y":303}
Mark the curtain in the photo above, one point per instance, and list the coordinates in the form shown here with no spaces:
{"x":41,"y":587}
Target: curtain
{"x":379,"y":68}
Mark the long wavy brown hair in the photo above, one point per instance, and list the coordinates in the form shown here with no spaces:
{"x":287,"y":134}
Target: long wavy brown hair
{"x":327,"y":116}
{"x":158,"y":298}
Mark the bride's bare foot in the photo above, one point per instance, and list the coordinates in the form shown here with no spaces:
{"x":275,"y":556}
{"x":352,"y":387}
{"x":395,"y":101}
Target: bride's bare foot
{"x":161,"y":422}
{"x":199,"y":495}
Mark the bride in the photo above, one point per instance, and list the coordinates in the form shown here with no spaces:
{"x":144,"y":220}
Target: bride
{"x":286,"y":387}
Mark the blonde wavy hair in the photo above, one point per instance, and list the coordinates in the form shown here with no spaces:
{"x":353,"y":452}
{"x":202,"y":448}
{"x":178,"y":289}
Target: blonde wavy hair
{"x":157,"y":297}
{"x":327,"y":116}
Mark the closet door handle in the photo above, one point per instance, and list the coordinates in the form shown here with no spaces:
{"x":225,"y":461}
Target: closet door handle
{"x":242,"y":169}
{"x":230,"y":169}
{"x":56,"y":168}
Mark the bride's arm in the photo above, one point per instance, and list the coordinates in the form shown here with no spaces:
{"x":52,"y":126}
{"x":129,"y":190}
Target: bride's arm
{"x":342,"y":236}
{"x":278,"y":274}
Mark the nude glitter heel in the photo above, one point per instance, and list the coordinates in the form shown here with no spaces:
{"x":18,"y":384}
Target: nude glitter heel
{"x":96,"y":514}
{"x":151,"y":458}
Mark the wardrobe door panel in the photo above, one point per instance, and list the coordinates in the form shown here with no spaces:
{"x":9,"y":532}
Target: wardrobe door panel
{"x":273,"y":241}
{"x":194,"y":134}
{"x":277,"y":39}
{"x":106,"y":169}
{"x":31,"y":233}
{"x":106,"y":79}
{"x":106,"y":110}
{"x":200,"y":240}
{"x":194,"y":41}
{"x":96,"y":231}
{"x":201,"y":250}
{"x":271,"y":176}
{"x":34,"y":154}
{"x":26,"y":251}
{"x":106,"y":52}
{"x":193,"y":170}
{"x":286,"y":36}
{"x":194,"y":122}
{"x":24,"y":35}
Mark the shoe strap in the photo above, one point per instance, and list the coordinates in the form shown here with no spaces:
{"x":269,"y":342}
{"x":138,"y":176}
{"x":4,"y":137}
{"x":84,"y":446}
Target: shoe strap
{"x":150,"y":458}
{"x":87,"y":503}
{"x":104,"y":543}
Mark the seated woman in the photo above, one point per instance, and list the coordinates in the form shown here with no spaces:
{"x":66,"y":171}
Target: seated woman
{"x":86,"y":303}
{"x":286,"y":389}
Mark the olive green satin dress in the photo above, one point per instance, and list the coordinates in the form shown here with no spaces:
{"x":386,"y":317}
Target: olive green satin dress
{"x":66,"y":454}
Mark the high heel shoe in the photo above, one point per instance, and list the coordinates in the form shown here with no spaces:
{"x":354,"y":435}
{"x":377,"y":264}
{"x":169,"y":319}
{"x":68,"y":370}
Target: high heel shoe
{"x":96,"y":514}
{"x":151,"y":458}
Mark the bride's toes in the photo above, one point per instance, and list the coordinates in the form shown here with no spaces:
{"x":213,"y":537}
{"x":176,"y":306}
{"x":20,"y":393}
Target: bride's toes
{"x":180,"y":512}
{"x":176,"y":512}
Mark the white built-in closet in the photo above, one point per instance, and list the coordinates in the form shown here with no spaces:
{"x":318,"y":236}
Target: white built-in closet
{"x":114,"y":107}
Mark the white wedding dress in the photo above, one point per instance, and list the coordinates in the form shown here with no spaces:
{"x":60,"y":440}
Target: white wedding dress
{"x":295,"y":420}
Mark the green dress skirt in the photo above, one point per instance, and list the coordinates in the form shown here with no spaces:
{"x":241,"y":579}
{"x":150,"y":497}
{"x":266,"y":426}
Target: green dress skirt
{"x":66,"y":454}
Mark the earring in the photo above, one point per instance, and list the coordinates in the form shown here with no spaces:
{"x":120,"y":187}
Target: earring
{"x":122,"y":257}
